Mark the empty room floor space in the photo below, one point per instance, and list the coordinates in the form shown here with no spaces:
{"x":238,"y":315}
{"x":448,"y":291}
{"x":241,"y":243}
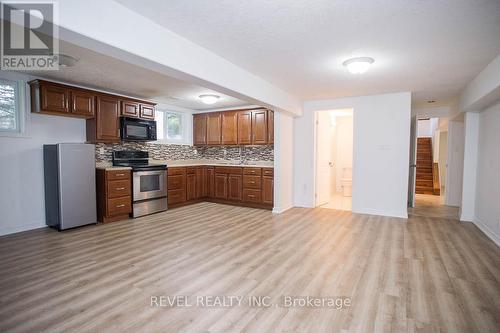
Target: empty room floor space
{"x":405,"y":275}
{"x":433,"y":206}
{"x":339,"y":201}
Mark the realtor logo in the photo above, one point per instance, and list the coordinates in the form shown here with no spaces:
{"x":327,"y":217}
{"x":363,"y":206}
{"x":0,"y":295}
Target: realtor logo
{"x":29,"y":36}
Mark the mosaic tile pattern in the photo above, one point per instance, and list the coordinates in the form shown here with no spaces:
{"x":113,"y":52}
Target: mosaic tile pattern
{"x":184,"y":152}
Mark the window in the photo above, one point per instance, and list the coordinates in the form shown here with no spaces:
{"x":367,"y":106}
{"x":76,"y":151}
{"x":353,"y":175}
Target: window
{"x":9,"y":106}
{"x":173,"y":127}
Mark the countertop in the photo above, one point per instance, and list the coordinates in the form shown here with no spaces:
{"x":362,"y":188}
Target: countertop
{"x":185,"y":163}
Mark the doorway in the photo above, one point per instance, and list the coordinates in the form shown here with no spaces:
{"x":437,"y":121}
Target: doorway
{"x":334,"y":157}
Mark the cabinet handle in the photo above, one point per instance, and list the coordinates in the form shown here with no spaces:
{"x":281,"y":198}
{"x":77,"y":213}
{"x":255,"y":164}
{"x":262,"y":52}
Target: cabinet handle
{"x":120,"y":206}
{"x":251,"y":196}
{"x":252,"y":182}
{"x":120,"y":174}
{"x":120,"y":188}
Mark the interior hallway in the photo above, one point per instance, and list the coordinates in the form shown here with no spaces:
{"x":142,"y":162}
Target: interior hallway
{"x":433,"y":206}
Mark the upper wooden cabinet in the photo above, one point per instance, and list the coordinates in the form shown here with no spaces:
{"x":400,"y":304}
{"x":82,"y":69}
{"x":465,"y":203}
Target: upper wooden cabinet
{"x":214,"y":128}
{"x":259,"y":127}
{"x":270,"y":127}
{"x":130,"y":109}
{"x":229,"y":128}
{"x":238,"y":127}
{"x":200,"y":129}
{"x":147,"y":111}
{"x":245,"y":127}
{"x":105,"y":127}
{"x":58,"y":99}
{"x":83,"y":103}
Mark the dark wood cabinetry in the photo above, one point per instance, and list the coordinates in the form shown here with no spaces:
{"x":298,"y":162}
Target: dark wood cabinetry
{"x":130,"y":109}
{"x":270,"y":127}
{"x":200,"y":129}
{"x":114,"y":195}
{"x":54,"y":98}
{"x":231,"y":185}
{"x":83,"y":103}
{"x":229,"y":128}
{"x":259,"y":127}
{"x":214,"y":128}
{"x":245,"y":127}
{"x":238,"y":127}
{"x":105,"y":126}
{"x":147,"y":111}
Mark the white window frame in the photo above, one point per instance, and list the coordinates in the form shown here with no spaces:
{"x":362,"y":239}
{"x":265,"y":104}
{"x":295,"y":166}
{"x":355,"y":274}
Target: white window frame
{"x":20,"y":82}
{"x":186,"y":129}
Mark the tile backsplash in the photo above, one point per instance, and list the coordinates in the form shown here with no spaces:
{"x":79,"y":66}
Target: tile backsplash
{"x":186,"y":152}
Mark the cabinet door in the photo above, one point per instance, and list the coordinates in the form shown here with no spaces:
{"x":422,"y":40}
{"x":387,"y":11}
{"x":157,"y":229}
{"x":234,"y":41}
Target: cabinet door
{"x":259,"y":127}
{"x":270,"y":127}
{"x":199,"y":129}
{"x":54,"y":98}
{"x":107,"y":119}
{"x":82,"y":103}
{"x":235,"y":187}
{"x":130,"y":109}
{"x":220,"y":186}
{"x":245,"y":127}
{"x":213,"y":129}
{"x":210,"y":186}
{"x":147,"y":111}
{"x":201,"y":191}
{"x":267,"y":190}
{"x":190,"y":186}
{"x":229,"y":128}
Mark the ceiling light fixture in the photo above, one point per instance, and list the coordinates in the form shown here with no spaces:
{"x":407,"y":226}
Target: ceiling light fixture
{"x":358,"y":65}
{"x":66,"y":60}
{"x":209,"y":98}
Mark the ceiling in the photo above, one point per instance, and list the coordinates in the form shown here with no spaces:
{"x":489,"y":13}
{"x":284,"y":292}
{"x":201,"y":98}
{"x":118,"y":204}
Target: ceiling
{"x":95,"y":70}
{"x":432,"y":48}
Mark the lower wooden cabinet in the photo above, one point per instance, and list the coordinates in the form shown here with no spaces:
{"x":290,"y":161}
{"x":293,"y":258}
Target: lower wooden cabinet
{"x":114,"y":195}
{"x":232,"y":185}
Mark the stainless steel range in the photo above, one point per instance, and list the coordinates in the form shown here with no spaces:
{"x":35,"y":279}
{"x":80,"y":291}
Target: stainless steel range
{"x":148,"y":181}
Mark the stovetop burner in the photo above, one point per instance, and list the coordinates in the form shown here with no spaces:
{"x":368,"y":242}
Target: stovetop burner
{"x":136,"y":159}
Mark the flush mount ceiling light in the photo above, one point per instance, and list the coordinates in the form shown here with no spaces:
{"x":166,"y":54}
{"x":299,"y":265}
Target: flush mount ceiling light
{"x":209,"y":98}
{"x":66,"y":60}
{"x":358,"y":65}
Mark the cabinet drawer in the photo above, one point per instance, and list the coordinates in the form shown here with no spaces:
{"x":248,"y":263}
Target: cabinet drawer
{"x":190,"y":169}
{"x":176,"y":196}
{"x":252,"y":196}
{"x":267,"y":171}
{"x":119,"y":206}
{"x":176,"y":171}
{"x":252,"y":171}
{"x":119,"y":188}
{"x":176,"y":182}
{"x":118,"y":174}
{"x":252,"y":182}
{"x":229,"y":170}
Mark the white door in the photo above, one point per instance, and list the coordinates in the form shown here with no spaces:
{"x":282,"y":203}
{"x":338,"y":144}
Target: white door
{"x":323,"y":157}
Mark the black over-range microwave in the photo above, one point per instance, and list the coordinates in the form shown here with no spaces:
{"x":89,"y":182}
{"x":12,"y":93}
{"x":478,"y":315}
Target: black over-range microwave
{"x":134,"y":129}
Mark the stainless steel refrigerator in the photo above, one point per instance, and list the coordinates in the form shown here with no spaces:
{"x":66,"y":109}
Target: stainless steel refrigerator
{"x":70,"y":195}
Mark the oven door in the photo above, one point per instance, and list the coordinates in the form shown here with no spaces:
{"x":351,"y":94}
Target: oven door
{"x":149,"y":184}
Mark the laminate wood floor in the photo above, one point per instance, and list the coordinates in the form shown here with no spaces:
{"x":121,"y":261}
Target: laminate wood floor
{"x":417,"y":275}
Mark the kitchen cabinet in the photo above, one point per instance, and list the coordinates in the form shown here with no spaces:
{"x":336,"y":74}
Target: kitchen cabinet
{"x":268,"y":186}
{"x":61,"y":100}
{"x":270,"y":127}
{"x":234,"y":187}
{"x":237,"y":127}
{"x":259,"y":127}
{"x":201,"y":188}
{"x":220,"y":186}
{"x":229,"y":128}
{"x":214,"y":128}
{"x":130,"y":109}
{"x":209,"y":181}
{"x":244,"y":127}
{"x":114,"y":195}
{"x":147,"y":111}
{"x":176,"y":186}
{"x":105,"y":126}
{"x":199,"y":129}
{"x":190,"y":186}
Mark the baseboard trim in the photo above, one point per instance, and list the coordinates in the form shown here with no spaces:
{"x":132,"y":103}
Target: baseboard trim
{"x":20,"y":228}
{"x":278,"y":210}
{"x":402,"y":215}
{"x":487,"y":231}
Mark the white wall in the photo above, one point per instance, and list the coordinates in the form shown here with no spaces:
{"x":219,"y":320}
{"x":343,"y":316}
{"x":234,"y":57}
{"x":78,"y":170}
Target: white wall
{"x":283,"y":162}
{"x":442,"y":158}
{"x":380,"y":152}
{"x":21,"y":171}
{"x":471,"y":142}
{"x":454,"y":178}
{"x":487,"y":210}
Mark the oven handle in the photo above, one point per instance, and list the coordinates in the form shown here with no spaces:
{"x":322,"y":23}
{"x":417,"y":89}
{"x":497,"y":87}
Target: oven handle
{"x":150,"y":173}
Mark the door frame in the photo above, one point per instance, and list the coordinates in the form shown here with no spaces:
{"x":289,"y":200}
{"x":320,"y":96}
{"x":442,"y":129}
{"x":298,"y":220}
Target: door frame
{"x":412,"y":173}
